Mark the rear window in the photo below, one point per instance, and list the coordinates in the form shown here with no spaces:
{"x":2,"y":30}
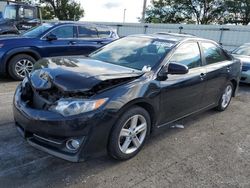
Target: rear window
{"x":103,"y":32}
{"x":213,"y":54}
{"x":87,"y":32}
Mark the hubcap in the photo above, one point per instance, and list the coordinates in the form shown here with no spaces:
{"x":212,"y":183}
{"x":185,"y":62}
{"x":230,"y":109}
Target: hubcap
{"x":132,"y":134}
{"x":226,"y":97}
{"x":23,"y":66}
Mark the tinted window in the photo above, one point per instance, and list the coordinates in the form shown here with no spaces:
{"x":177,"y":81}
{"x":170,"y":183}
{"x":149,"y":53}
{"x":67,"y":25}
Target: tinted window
{"x":64,"y":32}
{"x":87,"y":32}
{"x":135,"y":52}
{"x":213,"y":54}
{"x":103,"y":32}
{"x":242,"y":50}
{"x":187,"y":54}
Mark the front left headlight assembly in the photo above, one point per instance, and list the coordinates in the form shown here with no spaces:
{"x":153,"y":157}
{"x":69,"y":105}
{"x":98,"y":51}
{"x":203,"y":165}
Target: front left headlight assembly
{"x":70,"y":107}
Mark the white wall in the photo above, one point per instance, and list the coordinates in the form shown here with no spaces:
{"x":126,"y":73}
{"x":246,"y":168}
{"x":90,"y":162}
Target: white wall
{"x":230,"y":36}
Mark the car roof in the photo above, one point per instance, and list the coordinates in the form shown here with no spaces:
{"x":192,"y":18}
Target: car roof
{"x":174,"y":37}
{"x":58,"y":23}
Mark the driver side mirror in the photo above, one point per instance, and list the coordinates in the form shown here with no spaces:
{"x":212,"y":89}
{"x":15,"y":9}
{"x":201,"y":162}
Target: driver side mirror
{"x":51,"y":37}
{"x":172,"y":68}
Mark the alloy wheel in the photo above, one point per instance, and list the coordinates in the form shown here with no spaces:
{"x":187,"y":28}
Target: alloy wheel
{"x":23,"y":66}
{"x":132,"y":134}
{"x":226,"y":97}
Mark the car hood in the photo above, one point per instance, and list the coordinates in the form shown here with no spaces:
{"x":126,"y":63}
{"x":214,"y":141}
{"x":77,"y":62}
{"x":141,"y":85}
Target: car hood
{"x":244,"y":59}
{"x":79,"y":74}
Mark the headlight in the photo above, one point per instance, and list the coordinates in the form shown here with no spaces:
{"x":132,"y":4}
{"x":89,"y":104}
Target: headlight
{"x":70,"y":107}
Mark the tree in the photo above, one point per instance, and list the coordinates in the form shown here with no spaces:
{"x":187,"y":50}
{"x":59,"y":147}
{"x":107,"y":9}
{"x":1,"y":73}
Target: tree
{"x":187,"y":11}
{"x":62,"y":9}
{"x":238,"y":11}
{"x":165,"y":11}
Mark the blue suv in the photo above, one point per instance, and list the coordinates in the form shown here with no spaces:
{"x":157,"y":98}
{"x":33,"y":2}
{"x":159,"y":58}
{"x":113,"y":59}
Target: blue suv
{"x":19,"y":53}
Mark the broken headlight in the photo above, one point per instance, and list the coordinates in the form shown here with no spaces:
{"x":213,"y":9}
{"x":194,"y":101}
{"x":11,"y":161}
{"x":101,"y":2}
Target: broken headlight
{"x":70,"y":107}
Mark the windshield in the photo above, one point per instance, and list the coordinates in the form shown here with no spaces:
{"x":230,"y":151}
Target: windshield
{"x":242,"y":50}
{"x":134,"y":52}
{"x":37,"y":31}
{"x":10,"y":12}
{"x":27,"y":13}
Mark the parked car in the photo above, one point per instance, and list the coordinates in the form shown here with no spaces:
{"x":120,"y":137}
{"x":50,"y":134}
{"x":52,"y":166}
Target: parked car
{"x":110,"y":101}
{"x":19,"y":53}
{"x":243,"y":53}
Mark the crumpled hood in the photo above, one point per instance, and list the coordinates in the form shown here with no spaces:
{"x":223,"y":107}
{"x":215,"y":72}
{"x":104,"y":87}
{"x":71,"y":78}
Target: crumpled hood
{"x":78,"y":74}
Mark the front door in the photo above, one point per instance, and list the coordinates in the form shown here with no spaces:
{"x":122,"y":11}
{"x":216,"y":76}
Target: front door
{"x":181,"y":94}
{"x":65,"y":44}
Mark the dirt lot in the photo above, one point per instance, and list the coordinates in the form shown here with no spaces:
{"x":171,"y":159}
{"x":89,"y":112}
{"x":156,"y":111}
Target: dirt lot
{"x":213,"y":150}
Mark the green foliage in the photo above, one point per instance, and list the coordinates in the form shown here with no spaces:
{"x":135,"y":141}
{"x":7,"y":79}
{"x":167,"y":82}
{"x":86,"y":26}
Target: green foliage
{"x":62,"y":9}
{"x":199,"y":11}
{"x":238,"y":11}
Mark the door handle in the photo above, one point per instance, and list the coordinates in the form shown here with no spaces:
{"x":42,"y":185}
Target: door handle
{"x":202,"y":76}
{"x":100,"y":42}
{"x":72,"y":42}
{"x":229,"y":68}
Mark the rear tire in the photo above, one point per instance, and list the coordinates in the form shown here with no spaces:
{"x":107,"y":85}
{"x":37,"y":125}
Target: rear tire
{"x":226,"y":97}
{"x":129,"y":134}
{"x":19,"y":64}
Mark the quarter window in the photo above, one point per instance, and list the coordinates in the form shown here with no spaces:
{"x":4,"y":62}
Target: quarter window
{"x":87,"y":32}
{"x":187,"y":54}
{"x":64,"y":32}
{"x":103,"y":32}
{"x":212,"y":53}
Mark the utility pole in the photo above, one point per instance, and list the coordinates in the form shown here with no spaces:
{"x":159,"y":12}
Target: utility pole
{"x":124,"y":15}
{"x":143,"y":11}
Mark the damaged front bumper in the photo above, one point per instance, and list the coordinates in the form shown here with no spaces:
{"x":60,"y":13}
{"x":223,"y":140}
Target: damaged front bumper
{"x":50,"y":131}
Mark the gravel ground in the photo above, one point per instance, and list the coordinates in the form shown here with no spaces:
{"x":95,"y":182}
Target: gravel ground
{"x":213,"y":150}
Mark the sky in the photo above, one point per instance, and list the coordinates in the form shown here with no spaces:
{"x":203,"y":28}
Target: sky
{"x":112,"y":10}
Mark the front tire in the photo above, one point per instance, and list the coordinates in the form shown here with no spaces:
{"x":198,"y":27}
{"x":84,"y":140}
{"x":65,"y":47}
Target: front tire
{"x":129,"y":134}
{"x":19,"y":64}
{"x":226,"y":97}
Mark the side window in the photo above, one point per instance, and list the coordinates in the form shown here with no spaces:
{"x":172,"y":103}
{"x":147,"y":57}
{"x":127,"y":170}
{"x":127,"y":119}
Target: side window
{"x":103,"y":32}
{"x":212,"y":53}
{"x":64,"y":32}
{"x":187,"y":54}
{"x":87,"y":32}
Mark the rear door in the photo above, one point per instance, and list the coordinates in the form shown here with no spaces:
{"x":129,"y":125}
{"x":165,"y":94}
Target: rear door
{"x":87,"y":40}
{"x":182,"y":94}
{"x":218,"y":67}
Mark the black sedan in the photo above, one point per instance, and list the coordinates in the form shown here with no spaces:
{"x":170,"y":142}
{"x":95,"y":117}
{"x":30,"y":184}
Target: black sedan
{"x":110,"y":101}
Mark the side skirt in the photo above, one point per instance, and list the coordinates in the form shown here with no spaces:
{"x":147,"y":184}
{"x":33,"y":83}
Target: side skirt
{"x":197,"y":111}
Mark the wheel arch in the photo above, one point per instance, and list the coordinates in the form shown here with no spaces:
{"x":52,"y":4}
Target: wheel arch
{"x":143,"y":104}
{"x":235,"y":83}
{"x":16,"y":52}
